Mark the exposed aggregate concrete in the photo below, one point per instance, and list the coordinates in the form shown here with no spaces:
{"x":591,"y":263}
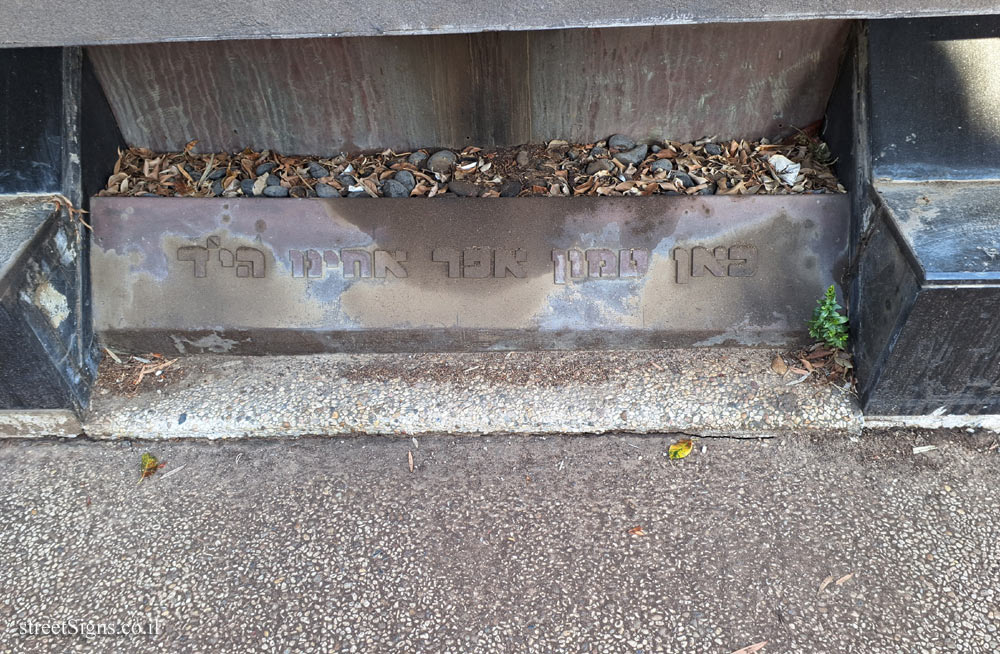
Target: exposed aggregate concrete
{"x":507,"y":544}
{"x":707,"y":391}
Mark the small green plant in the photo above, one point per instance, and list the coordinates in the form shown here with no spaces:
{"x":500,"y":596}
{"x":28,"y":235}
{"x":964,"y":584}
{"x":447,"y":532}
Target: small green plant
{"x":828,"y":324}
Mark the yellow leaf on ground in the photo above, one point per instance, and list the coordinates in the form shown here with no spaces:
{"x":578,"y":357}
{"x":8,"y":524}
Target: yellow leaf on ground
{"x":681,"y":449}
{"x":750,"y":649}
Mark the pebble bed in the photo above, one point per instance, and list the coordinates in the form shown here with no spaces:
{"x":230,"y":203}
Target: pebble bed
{"x":616,"y":166}
{"x":730,"y":392}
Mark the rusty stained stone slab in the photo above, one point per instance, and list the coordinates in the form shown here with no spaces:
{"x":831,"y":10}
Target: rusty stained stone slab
{"x":320,"y":96}
{"x":262,"y":276}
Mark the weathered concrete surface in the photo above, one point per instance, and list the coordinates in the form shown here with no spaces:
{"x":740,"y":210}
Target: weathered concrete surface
{"x":39,"y":423}
{"x":493,"y":89}
{"x":507,"y":545}
{"x":705,"y":391}
{"x":94,"y":21}
{"x":271,"y":276}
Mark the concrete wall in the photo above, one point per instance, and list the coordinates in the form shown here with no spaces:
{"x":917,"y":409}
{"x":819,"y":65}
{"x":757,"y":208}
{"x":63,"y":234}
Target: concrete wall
{"x":496,"y":88}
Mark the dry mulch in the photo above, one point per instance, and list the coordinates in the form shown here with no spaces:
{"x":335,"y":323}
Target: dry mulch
{"x":131,"y":375}
{"x":554,"y":169}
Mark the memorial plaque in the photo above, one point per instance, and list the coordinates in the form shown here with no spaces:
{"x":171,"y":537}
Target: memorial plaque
{"x":266,"y":276}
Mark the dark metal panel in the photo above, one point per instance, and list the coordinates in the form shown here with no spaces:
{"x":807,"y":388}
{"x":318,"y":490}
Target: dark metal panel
{"x":31,"y":119}
{"x":953,"y":228}
{"x":266,"y":276}
{"x":946,"y":356}
{"x":85,"y":22}
{"x":318,"y":96}
{"x":935,"y":98}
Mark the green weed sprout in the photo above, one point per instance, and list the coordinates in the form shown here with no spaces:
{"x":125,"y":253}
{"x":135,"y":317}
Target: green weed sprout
{"x":828,"y":324}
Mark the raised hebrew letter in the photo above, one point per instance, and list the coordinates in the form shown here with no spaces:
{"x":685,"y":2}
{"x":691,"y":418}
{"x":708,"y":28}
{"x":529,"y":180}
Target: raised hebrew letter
{"x":331,"y":258}
{"x":633,"y":263}
{"x":510,"y":261}
{"x":702,"y":260}
{"x":477,"y":263}
{"x":452,"y":257}
{"x":743,"y":260}
{"x":197,"y":254}
{"x":298,"y":263}
{"x":226,"y":258}
{"x":390,"y":261}
{"x":357,"y":263}
{"x":683,"y":265}
{"x":602,"y":263}
{"x":314,"y":264}
{"x":559,"y":266}
{"x":249,"y":262}
{"x":576,"y":267}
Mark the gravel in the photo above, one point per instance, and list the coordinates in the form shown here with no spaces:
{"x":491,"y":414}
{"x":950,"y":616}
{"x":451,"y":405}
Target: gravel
{"x":392,"y":188}
{"x":407,"y":179}
{"x":417,"y":158}
{"x":442,"y":161}
{"x":317,"y":171}
{"x":634,"y":156}
{"x":324,"y":190}
{"x":463,"y":189}
{"x":620,"y":142}
{"x":600,"y":164}
{"x":276,"y":191}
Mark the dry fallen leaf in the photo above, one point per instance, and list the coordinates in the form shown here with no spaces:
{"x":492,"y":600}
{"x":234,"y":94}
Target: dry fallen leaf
{"x":637,"y":531}
{"x":826,"y":582}
{"x":409,"y":457}
{"x":843,"y":580}
{"x":750,"y":649}
{"x":778,"y":365}
{"x":680,"y":449}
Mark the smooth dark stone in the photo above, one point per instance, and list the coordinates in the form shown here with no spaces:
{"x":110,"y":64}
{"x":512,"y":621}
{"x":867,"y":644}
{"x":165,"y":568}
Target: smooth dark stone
{"x":597,"y":151}
{"x":407,"y":179}
{"x":265,"y":168}
{"x":317,"y":171}
{"x":273,"y":180}
{"x":463,"y":189}
{"x":394,"y":189}
{"x":417,"y":158}
{"x":511,"y":189}
{"x":276,"y":191}
{"x":247,"y":187}
{"x":347,"y":180}
{"x":217,"y":173}
{"x":662,"y":164}
{"x":681,"y":175}
{"x":713,"y":149}
{"x":620,"y":142}
{"x":597,"y":166}
{"x":217,"y":188}
{"x":324,"y":190}
{"x":442,"y":161}
{"x":634,"y":156}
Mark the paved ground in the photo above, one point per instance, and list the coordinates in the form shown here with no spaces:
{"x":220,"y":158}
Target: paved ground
{"x":507,"y":545}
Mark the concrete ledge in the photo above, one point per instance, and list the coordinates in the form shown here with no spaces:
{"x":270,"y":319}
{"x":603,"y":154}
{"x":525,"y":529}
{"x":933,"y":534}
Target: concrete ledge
{"x":39,"y":423}
{"x":47,"y":23}
{"x":729,"y":392}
